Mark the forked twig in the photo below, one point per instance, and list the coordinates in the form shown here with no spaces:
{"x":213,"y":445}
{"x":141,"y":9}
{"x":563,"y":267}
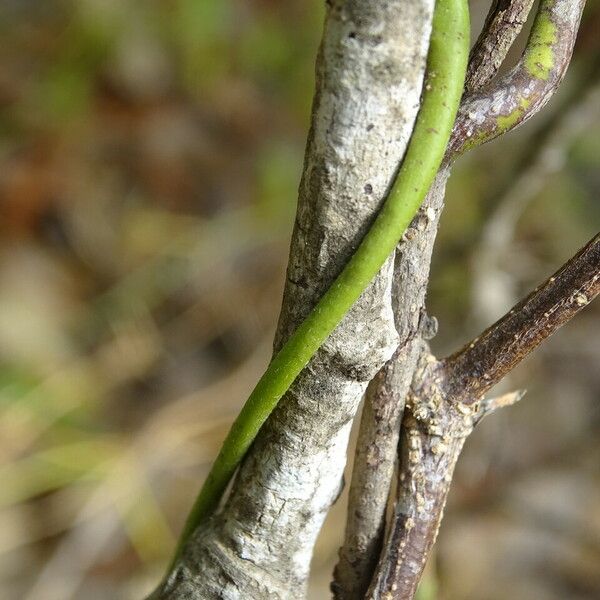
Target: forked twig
{"x":515,"y":97}
{"x":485,"y":113}
{"x":446,"y":402}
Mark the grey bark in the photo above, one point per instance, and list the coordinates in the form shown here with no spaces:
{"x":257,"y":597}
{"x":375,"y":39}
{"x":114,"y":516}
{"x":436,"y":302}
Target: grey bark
{"x":369,"y":77}
{"x":477,"y":122}
{"x":384,"y":404}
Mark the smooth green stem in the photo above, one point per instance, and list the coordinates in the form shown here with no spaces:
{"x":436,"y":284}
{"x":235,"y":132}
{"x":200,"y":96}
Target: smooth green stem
{"x":447,"y":61}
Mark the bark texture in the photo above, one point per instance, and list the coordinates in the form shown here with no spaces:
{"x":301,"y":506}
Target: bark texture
{"x":515,"y":97}
{"x":502,"y":25}
{"x":384,"y":404}
{"x":446,"y":402}
{"x":369,"y":77}
{"x":433,"y":434}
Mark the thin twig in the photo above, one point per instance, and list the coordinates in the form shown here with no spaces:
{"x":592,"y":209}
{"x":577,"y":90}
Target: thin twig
{"x":515,"y":97}
{"x":502,"y":26}
{"x":488,"y":358}
{"x":446,"y":403}
{"x":371,"y":477}
{"x":429,"y":449}
{"x":434,"y":432}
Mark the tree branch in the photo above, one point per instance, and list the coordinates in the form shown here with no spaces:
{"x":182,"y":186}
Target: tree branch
{"x":483,"y":362}
{"x":429,"y":449}
{"x":515,"y":97}
{"x":544,"y":153}
{"x":445,"y":404}
{"x":369,"y":80}
{"x":502,"y":25}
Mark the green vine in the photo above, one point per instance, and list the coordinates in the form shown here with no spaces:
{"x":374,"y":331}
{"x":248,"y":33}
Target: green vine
{"x":446,"y":67}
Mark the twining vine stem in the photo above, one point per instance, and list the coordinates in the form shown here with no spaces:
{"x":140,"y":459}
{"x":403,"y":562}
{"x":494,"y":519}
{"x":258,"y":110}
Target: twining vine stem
{"x":447,"y":61}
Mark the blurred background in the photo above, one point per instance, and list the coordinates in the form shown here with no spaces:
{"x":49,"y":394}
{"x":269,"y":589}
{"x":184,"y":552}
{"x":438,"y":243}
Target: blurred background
{"x":150,"y":153}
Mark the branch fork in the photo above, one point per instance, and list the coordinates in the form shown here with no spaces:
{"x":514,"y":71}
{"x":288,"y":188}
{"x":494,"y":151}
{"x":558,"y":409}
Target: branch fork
{"x":446,"y":401}
{"x":442,"y":407}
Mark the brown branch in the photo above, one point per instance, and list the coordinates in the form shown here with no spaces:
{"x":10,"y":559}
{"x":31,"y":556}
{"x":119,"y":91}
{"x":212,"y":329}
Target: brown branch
{"x":378,"y":435}
{"x":482,"y":363}
{"x":515,"y":97}
{"x":434,"y":432}
{"x":377,"y":443}
{"x":426,"y":463}
{"x":370,"y":486}
{"x":502,"y":26}
{"x":445,"y":404}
